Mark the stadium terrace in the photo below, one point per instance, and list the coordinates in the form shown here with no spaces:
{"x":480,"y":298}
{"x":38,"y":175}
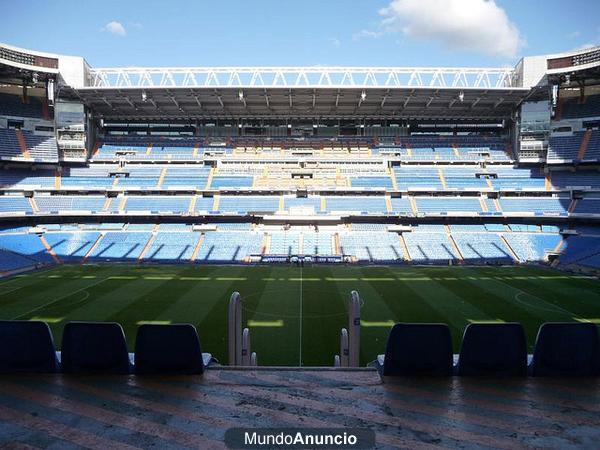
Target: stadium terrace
{"x":291,"y":221}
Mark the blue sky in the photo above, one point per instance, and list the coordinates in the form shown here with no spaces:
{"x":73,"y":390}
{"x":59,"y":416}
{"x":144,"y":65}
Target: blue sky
{"x":304,"y":33}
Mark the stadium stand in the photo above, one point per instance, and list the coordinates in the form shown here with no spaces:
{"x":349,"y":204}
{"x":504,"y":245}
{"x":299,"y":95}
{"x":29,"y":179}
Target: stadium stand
{"x":15,"y":106}
{"x":115,"y":246}
{"x":169,"y":246}
{"x":372,"y":246}
{"x":573,"y":108}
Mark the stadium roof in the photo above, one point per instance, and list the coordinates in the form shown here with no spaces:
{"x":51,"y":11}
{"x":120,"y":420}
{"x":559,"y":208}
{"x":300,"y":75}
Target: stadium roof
{"x":319,"y":92}
{"x":184,"y":93}
{"x":321,"y":102}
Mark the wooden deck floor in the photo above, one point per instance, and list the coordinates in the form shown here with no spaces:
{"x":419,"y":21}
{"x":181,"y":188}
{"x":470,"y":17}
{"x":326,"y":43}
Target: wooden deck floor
{"x":194,"y":412}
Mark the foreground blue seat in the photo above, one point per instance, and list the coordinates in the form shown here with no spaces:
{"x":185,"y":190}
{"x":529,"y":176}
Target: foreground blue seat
{"x":26,"y":346}
{"x":173,"y":349}
{"x":496,"y":349}
{"x":94,"y":347}
{"x":569,"y":348}
{"x":417,"y":349}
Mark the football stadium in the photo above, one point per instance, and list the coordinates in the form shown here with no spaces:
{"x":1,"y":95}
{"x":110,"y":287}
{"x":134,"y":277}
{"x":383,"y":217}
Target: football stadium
{"x":411,"y":252}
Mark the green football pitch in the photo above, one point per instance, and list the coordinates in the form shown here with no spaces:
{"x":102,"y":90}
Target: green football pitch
{"x":296,"y":314}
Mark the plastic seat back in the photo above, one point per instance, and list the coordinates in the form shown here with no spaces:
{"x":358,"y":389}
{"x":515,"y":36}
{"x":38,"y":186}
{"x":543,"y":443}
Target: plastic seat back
{"x":94,"y":347}
{"x":418,"y":349}
{"x":173,"y":349}
{"x":495,"y":349}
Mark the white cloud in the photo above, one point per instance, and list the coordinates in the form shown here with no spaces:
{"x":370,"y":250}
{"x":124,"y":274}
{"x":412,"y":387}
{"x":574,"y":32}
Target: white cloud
{"x":115,"y":28}
{"x":586,"y":46}
{"x":369,"y":34}
{"x":335,"y":42}
{"x":574,"y":34}
{"x":471,"y":25}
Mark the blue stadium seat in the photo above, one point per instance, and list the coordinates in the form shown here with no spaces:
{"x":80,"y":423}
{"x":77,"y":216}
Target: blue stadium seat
{"x":27,"y":346}
{"x":94,"y":347}
{"x":171,"y":349}
{"x":418,"y":349}
{"x":495,"y":349}
{"x":565,"y":349}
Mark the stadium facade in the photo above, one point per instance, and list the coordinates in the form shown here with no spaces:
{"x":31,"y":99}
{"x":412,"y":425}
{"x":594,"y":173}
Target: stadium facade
{"x":331,"y":164}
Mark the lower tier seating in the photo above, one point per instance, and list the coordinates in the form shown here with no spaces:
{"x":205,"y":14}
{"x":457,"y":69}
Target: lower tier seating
{"x":23,"y":247}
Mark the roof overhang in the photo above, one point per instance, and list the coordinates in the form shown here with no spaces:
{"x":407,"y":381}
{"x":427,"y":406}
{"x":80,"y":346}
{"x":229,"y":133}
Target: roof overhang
{"x":156,"y":103}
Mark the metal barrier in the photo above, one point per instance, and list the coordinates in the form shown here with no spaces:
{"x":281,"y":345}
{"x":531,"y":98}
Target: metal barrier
{"x":238,"y":340}
{"x":350,"y":338}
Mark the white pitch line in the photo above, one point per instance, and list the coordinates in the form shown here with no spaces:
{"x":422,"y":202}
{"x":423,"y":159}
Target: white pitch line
{"x":300,"y":356}
{"x":59,"y":299}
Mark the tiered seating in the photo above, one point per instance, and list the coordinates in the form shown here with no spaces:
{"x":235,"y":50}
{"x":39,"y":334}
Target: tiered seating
{"x":10,"y":261}
{"x":94,"y":176}
{"x":231,"y":182}
{"x":430,"y":247}
{"x":186,"y":177}
{"x":120,"y":246}
{"x":593,"y":148}
{"x":152,"y":149}
{"x":27,"y":245}
{"x":443,"y":205}
{"x":517,"y":178}
{"x":154,"y":204}
{"x":14,"y":204}
{"x":13,"y":105}
{"x":41,"y":148}
{"x":401,"y":205}
{"x":482,"y":247}
{"x":582,"y":250}
{"x":578,"y":179}
{"x":284,"y":243}
{"x":318,"y":243}
{"x":247,"y":204}
{"x":60,"y":203}
{"x":171,"y":152}
{"x":541,"y":205}
{"x":204,"y":204}
{"x":26,"y":178}
{"x":369,"y":227}
{"x":140,"y":177}
{"x":71,"y":246}
{"x":532,"y":247}
{"x":371,"y":182}
{"x":451,"y":148}
{"x":564,"y":147}
{"x":369,"y":205}
{"x":464,"y":177}
{"x":588,"y":205}
{"x":229,"y":246}
{"x":9,"y":145}
{"x":415,"y":177}
{"x":373,"y":246}
{"x":572,"y":109}
{"x":172,"y":246}
{"x":111,"y":152}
